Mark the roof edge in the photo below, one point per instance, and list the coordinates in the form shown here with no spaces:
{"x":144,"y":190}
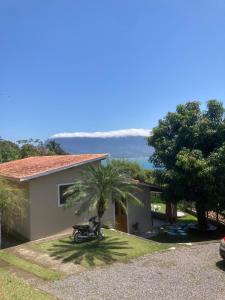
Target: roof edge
{"x":26,"y":178}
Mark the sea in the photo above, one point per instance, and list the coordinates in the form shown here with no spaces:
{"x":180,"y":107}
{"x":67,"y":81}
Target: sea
{"x":133,"y":148}
{"x":143,"y":161}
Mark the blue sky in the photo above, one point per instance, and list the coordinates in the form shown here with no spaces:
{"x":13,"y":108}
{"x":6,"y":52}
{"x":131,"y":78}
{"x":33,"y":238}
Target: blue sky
{"x":105,"y":65}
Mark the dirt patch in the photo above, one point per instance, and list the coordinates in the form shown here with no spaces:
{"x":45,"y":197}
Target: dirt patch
{"x":3,"y":264}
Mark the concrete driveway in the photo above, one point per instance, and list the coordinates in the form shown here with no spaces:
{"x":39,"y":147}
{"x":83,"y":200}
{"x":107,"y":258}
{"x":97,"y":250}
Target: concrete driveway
{"x":194,"y":272}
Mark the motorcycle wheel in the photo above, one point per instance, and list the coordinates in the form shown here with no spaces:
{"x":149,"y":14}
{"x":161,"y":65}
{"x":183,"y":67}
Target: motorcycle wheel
{"x":101,"y":235}
{"x":76,"y":238}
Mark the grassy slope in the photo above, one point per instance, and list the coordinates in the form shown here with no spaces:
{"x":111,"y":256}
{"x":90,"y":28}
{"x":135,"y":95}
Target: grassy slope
{"x":12,"y":288}
{"x":186,"y":219}
{"x":115,"y":247}
{"x":42,"y":272}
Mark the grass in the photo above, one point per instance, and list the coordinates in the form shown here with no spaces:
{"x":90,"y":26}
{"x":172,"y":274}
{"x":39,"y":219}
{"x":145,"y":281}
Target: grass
{"x":116,"y":247}
{"x":25,"y":265}
{"x":12,"y":288}
{"x":162,"y":208}
{"x":188,"y":218}
{"x":191,"y":237}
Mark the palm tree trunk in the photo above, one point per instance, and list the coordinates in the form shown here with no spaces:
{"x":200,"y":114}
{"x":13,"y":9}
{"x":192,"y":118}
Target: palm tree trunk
{"x":100,"y":213}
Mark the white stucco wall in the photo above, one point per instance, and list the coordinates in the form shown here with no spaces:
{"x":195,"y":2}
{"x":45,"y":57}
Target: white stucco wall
{"x":46,"y":217}
{"x":140,"y":214}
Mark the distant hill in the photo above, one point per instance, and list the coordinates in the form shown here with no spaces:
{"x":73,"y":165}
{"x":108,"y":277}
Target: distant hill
{"x":118,"y":147}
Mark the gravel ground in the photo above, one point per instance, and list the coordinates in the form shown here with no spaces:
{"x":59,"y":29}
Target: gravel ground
{"x":194,"y":272}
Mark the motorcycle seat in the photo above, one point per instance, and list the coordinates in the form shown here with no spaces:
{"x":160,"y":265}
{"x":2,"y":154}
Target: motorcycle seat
{"x":80,"y":226}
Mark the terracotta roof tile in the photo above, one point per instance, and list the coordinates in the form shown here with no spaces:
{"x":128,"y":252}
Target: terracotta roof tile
{"x":36,"y":166}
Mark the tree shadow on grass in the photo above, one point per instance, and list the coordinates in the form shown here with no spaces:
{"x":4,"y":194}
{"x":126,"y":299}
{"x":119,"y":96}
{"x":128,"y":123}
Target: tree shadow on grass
{"x":191,"y":237}
{"x":91,"y":253}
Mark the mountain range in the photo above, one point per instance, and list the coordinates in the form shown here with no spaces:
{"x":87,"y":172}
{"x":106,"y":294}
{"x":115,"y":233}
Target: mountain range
{"x":124,"y":147}
{"x":125,"y":144}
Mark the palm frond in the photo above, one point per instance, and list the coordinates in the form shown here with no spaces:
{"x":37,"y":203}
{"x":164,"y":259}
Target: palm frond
{"x":121,"y":203}
{"x":133,"y":199}
{"x":97,"y":186}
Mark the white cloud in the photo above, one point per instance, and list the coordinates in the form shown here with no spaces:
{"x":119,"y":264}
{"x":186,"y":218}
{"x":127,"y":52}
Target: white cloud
{"x":105,"y":134}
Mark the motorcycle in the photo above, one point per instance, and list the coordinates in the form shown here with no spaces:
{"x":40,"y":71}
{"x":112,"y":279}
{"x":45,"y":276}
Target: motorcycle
{"x":87,"y":232}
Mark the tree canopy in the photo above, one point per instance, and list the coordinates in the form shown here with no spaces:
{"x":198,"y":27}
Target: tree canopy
{"x":133,"y":170}
{"x":26,"y":148}
{"x":55,"y":148}
{"x":189,"y":145}
{"x":8,"y":151}
{"x":12,"y":204}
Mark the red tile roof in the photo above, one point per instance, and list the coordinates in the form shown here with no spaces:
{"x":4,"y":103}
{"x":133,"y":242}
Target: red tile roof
{"x":36,"y":166}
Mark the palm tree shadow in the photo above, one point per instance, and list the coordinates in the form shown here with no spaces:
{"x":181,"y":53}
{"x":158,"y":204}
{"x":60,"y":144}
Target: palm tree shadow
{"x":90,"y":253}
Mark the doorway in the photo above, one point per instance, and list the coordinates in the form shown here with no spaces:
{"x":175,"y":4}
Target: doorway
{"x":120,"y":218}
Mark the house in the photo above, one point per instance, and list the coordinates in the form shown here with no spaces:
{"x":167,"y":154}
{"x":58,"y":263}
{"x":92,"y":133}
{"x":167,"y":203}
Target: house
{"x":138,"y":218}
{"x":45,"y":179}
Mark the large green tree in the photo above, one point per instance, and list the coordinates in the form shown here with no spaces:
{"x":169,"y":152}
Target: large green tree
{"x":26,"y":148}
{"x":33,"y":147}
{"x":55,"y":148}
{"x":184,"y":142}
{"x":100,"y":186}
{"x":217,"y":172}
{"x":133,"y":170}
{"x":12,"y":204}
{"x":8,"y":151}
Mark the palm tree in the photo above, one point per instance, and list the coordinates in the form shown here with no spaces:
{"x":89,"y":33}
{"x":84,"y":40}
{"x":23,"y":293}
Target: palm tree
{"x":12,"y":204}
{"x":100,"y":186}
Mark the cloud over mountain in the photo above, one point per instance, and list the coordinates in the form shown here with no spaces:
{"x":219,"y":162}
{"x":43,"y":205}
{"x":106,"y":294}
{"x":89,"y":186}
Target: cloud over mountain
{"x":105,"y":134}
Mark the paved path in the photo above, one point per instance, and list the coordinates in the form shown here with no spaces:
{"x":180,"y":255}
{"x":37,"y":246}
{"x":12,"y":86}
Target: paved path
{"x":194,"y":272}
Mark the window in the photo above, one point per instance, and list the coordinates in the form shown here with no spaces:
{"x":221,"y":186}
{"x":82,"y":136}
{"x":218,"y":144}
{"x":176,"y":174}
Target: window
{"x":61,"y":190}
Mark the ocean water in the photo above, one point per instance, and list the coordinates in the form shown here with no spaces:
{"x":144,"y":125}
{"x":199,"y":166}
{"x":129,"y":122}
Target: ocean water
{"x":143,"y":161}
{"x":133,"y":148}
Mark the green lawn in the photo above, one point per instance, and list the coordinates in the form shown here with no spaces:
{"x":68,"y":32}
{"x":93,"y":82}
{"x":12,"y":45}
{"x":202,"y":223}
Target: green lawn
{"x":19,"y":263}
{"x":162,"y":208}
{"x":186,"y":219}
{"x":164,"y":237}
{"x":191,"y":237}
{"x":115,"y":247}
{"x":11,"y":288}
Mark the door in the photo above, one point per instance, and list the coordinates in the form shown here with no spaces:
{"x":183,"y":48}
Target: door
{"x":121,"y":218}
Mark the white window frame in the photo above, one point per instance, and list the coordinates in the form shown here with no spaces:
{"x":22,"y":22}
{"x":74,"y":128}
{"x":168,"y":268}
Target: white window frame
{"x":62,"y":184}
